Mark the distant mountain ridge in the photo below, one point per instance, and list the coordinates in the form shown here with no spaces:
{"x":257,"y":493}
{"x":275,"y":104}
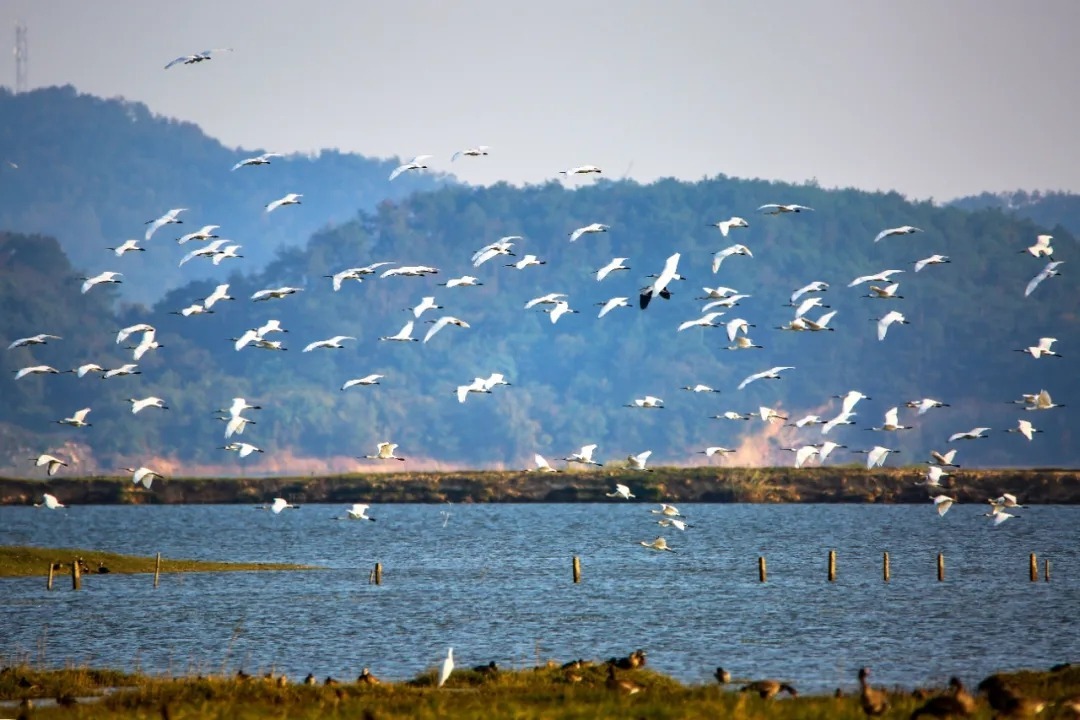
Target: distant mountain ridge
{"x":90,"y":172}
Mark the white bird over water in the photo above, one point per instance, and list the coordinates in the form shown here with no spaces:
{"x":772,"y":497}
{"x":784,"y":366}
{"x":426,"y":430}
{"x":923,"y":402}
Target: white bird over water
{"x":359,"y":512}
{"x":1043,"y":348}
{"x":1047,"y":272}
{"x":50,"y":462}
{"x":280,"y":504}
{"x":372,"y":379}
{"x":672,"y":522}
{"x":888,"y":319}
{"x":417,"y":163}
{"x":101,"y":278}
{"x":725,"y":226}
{"x":1041,"y":247}
{"x":770,"y":374}
{"x":447,"y":667}
{"x":51,"y":502}
{"x":584,"y":456}
{"x":615,"y":264}
{"x":902,"y":230}
{"x":290,"y":199}
{"x":263,"y":159}
{"x":169,"y":218}
{"x":973,"y":434}
{"x":331,"y":343}
{"x":196,"y":57}
{"x":775,"y":209}
{"x":657,"y":544}
{"x":932,"y":260}
{"x":727,"y":252}
{"x":942,"y":503}
{"x":385,"y":452}
{"x":589,"y":229}
{"x":39,"y":339}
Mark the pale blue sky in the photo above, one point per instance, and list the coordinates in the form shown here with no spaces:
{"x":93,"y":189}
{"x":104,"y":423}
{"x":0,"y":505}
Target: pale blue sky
{"x":926,"y":97}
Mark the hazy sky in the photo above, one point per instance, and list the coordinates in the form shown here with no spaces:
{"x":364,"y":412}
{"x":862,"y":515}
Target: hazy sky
{"x":929,"y":97}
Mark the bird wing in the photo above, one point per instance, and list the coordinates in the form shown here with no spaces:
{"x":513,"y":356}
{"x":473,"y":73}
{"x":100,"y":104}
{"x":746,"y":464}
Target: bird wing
{"x":439,"y":325}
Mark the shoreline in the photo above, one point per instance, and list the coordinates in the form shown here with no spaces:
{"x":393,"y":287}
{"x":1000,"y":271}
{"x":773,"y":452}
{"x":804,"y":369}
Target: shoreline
{"x":710,"y":484}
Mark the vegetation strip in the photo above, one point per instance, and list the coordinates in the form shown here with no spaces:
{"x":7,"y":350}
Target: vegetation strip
{"x":25,"y":561}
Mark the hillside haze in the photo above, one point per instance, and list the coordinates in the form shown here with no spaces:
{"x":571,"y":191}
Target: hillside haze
{"x":90,"y":172}
{"x":571,"y":380}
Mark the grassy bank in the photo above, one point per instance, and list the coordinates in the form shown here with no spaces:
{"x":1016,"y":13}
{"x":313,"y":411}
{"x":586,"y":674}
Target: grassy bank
{"x":548,"y":693}
{"x":24,"y":561}
{"x":840,"y":484}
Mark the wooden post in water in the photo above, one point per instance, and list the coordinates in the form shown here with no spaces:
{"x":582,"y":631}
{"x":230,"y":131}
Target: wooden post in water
{"x":1033,"y":568}
{"x":885,"y":566}
{"x":577,"y":569}
{"x":761,"y":573}
{"x":76,"y":575}
{"x":832,"y":566}
{"x":378,"y":573}
{"x":941,"y":567}
{"x":157,"y":569}
{"x":1046,"y":570}
{"x":52,"y":570}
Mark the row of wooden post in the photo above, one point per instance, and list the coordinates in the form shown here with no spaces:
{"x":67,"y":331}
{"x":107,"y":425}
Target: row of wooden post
{"x":375,"y":576}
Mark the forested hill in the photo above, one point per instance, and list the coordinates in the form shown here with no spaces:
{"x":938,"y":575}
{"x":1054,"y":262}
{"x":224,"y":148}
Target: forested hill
{"x":570,"y":381}
{"x":90,"y":172}
{"x":1051,"y":210}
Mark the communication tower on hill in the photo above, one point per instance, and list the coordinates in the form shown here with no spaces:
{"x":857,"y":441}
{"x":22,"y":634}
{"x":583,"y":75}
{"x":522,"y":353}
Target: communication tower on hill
{"x":22,"y":57}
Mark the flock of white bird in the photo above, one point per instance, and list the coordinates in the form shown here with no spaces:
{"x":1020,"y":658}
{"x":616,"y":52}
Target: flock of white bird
{"x":718,"y":301}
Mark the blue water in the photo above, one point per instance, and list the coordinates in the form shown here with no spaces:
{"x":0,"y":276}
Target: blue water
{"x":494,"y":582}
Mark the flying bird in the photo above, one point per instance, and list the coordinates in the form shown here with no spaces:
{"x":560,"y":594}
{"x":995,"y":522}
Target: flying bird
{"x":51,"y":463}
{"x":973,"y":434}
{"x":359,"y":512}
{"x":403,"y":335}
{"x":637,"y":462}
{"x":125,"y":247}
{"x":542,"y":465}
{"x":102,"y":278}
{"x":588,"y":229}
{"x":611,"y":304}
{"x":290,"y":199}
{"x":275,"y":293}
{"x":615,"y":264}
{"x":206,"y":232}
{"x":366,"y":380}
{"x":1025,"y":428}
{"x":1043,"y":348}
{"x":169,"y":218}
{"x":770,"y":374}
{"x":720,"y":256}
{"x":1041,"y":247}
{"x":581,"y":170}
{"x":584,"y":456}
{"x":886,"y":320}
{"x":725,"y":226}
{"x":775,"y":209}
{"x":1047,"y":272}
{"x":332,"y":343}
{"x":443,"y":322}
{"x":197,"y":57}
{"x":263,"y":159}
{"x":882,"y":276}
{"x":417,"y":163}
{"x":903,"y":230}
{"x":39,"y":339}
{"x":659,"y":286}
{"x":932,"y":260}
{"x":385,"y":452}
{"x":36,"y":370}
{"x":478,"y":151}
{"x":78,"y":419}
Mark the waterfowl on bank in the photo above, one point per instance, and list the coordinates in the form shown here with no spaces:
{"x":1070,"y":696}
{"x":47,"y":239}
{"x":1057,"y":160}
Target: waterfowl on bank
{"x":957,"y":704}
{"x":366,"y":678}
{"x":620,"y":685}
{"x":447,"y":667}
{"x":768,"y":689}
{"x":874,"y":702}
{"x":722,"y":676}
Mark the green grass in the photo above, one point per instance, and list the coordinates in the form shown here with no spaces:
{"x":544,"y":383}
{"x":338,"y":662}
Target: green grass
{"x":24,"y":561}
{"x":543,"y":694}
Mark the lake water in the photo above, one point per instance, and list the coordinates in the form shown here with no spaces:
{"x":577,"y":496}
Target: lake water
{"x":494,"y":582}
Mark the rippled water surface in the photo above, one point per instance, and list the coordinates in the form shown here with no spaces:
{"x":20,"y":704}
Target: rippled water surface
{"x":494,"y":582}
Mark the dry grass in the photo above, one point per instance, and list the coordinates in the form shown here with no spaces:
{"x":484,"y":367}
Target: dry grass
{"x":544,"y":693}
{"x":24,"y":561}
